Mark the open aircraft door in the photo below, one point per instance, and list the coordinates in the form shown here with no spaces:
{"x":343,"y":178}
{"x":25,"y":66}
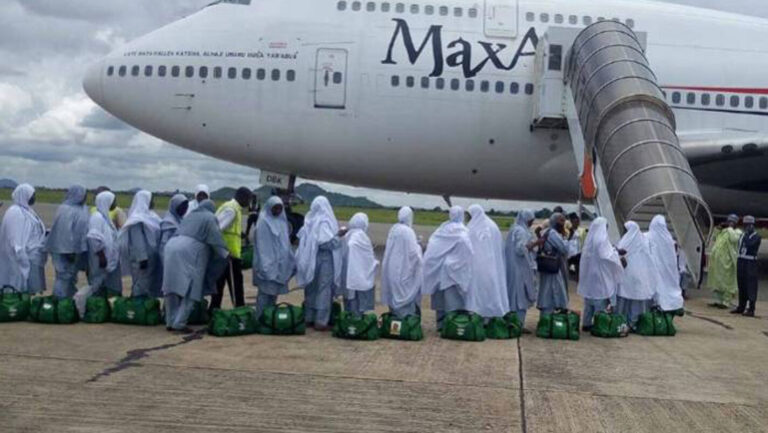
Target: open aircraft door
{"x":501,"y":18}
{"x":331,"y":78}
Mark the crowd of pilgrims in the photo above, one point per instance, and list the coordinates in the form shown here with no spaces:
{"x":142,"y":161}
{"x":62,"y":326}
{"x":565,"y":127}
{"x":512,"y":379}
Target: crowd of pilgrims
{"x":195,"y":249}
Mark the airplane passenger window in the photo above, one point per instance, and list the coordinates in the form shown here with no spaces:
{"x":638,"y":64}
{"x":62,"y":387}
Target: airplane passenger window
{"x":414,"y":9}
{"x":558,"y":19}
{"x":337,"y":77}
{"x":246,"y":74}
{"x":148,"y":71}
{"x":399,"y":8}
{"x":587,"y":20}
{"x":410,"y":81}
{"x":529,"y":89}
{"x":122,"y":71}
{"x":499,"y":87}
{"x":763,"y":103}
{"x":261,"y":74}
{"x":749,"y":102}
{"x":232,"y":73}
{"x":530,"y":16}
{"x":455,"y":84}
{"x":203,"y":72}
{"x":175,"y":71}
{"x":469,"y":85}
{"x":290,"y":75}
{"x":690,"y":98}
{"x":161,"y":71}
{"x":484,"y":86}
{"x":514,"y":88}
{"x":395,"y":81}
{"x":385,"y":7}
{"x":425,"y":82}
{"x":342,"y":5}
{"x":189,"y":71}
{"x":276,"y":76}
{"x":440,"y":83}
{"x":544,"y":18}
{"x":676,"y":98}
{"x":472,"y":12}
{"x":135,"y":71}
{"x":734,"y":101}
{"x":720,"y":100}
{"x":630,"y":23}
{"x":458,"y":12}
{"x":370,"y":6}
{"x":573,"y":19}
{"x":705,"y":99}
{"x":429,"y":10}
{"x":443,"y":10}
{"x":110,"y":71}
{"x":217,"y":72}
{"x":355,"y":6}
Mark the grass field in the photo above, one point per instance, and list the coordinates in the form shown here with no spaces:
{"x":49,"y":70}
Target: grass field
{"x":380,"y":215}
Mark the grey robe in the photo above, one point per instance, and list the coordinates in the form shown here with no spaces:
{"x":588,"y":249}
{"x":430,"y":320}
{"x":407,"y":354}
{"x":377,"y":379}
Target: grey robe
{"x":146,"y":282}
{"x":67,"y":241}
{"x":553,"y":291}
{"x":520,"y":265}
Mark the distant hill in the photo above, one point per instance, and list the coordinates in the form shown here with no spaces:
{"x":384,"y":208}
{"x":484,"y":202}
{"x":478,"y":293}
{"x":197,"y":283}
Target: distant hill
{"x":8,"y":183}
{"x":308,"y":192}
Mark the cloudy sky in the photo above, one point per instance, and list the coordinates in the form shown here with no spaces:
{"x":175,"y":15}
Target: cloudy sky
{"x":51,"y":134}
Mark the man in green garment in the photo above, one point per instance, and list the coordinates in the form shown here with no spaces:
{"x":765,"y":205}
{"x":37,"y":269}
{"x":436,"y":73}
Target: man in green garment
{"x":722,"y":264}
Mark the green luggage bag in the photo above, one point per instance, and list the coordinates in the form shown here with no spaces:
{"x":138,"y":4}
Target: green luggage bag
{"x":504,"y":328}
{"x":282,"y":319}
{"x":246,"y":256}
{"x":136,"y":311}
{"x":393,"y":327}
{"x":351,"y":327}
{"x":463,"y":326}
{"x":335,"y":312}
{"x":14,"y":306}
{"x":560,"y":325}
{"x":233,"y":323}
{"x":97,"y":310}
{"x":52,"y":310}
{"x":607,"y":325}
{"x":656,"y":324}
{"x":199,"y":315}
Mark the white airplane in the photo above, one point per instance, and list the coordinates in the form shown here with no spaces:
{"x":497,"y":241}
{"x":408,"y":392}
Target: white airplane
{"x":431,"y":96}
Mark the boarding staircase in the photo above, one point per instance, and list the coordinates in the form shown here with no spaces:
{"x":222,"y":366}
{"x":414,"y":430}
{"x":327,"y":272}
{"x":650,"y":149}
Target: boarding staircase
{"x":622,"y":131}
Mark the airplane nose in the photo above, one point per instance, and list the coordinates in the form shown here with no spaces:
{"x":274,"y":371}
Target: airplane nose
{"x":92,"y":82}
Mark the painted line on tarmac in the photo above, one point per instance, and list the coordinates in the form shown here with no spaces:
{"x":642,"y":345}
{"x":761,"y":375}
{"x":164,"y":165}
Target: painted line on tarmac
{"x":523,"y":420}
{"x":131,"y":358}
{"x":710,"y":320}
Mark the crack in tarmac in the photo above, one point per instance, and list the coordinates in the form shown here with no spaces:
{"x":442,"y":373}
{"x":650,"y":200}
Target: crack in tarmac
{"x":132,"y":356}
{"x":523,"y":420}
{"x":710,"y":320}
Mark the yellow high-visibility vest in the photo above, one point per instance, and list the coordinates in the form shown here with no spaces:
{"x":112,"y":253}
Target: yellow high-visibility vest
{"x":232,"y":233}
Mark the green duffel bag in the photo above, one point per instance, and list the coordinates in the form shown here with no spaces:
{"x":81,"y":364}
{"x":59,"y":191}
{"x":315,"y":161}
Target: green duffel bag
{"x":52,"y":310}
{"x":136,"y":311}
{"x":656,"y":324}
{"x":351,"y":327}
{"x":199,"y":315}
{"x":97,"y":310}
{"x":246,"y":256}
{"x":464,"y":326}
{"x":560,"y":325}
{"x":607,"y":325}
{"x":504,"y":328}
{"x":233,"y":323}
{"x":395,"y":328}
{"x":282,"y":319}
{"x":14,"y":306}
{"x":335,"y":312}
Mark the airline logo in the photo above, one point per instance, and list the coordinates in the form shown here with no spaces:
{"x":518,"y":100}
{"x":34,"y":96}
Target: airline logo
{"x":470,"y":57}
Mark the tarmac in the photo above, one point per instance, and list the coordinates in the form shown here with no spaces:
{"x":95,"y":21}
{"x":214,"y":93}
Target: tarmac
{"x":115,"y":378}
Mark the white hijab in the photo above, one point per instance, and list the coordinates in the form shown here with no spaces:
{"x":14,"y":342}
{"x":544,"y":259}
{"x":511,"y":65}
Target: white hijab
{"x":320,"y":226}
{"x":22,"y":240}
{"x":273,"y":258}
{"x":636,"y":284}
{"x":669,"y":295}
{"x":488,"y":291}
{"x":21,"y":197}
{"x":194,"y":204}
{"x":401,"y":273}
{"x":600,"y":269}
{"x":448,"y":259}
{"x":139,"y":213}
{"x":361,"y":260}
{"x":102,"y":229}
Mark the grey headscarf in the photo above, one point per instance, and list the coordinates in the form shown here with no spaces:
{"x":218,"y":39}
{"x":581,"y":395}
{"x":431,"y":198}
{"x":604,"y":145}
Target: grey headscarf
{"x":202,"y":226}
{"x":172,"y":217}
{"x":70,"y":226}
{"x":524,"y":218}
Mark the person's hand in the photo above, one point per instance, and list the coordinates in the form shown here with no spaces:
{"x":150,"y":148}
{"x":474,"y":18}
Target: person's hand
{"x":102,"y":260}
{"x":342,"y":231}
{"x":622,"y":252}
{"x":143,"y":265}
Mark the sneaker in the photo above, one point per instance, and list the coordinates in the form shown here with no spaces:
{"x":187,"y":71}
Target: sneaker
{"x":749,"y":314}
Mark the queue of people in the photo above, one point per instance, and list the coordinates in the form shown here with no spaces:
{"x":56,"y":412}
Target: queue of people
{"x":196,"y":249}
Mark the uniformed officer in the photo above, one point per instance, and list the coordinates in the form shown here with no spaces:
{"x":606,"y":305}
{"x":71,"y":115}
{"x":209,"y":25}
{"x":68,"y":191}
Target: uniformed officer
{"x":749,"y":245}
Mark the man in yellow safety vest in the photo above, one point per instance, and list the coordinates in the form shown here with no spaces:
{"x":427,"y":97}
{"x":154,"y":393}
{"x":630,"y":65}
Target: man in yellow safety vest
{"x":230,"y":218}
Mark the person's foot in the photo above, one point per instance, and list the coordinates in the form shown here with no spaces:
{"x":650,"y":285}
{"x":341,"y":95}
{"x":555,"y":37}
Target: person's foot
{"x":527,"y":331}
{"x":737,"y":311}
{"x":184,"y":331}
{"x":168,"y":328}
{"x":749,"y":314}
{"x":322,"y":328}
{"x":586,"y":328}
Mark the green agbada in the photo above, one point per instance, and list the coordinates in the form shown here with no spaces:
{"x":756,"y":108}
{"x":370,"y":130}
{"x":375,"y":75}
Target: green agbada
{"x":722,"y":265}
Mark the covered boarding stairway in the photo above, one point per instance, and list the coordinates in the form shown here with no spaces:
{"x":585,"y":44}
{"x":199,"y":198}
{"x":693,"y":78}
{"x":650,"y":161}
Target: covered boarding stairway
{"x":598,"y":84}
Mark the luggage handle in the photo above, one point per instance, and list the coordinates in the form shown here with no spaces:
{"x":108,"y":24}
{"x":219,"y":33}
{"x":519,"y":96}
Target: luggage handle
{"x":13,"y":290}
{"x":290,"y":310}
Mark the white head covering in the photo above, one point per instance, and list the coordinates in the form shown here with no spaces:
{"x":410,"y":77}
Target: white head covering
{"x":669,"y":295}
{"x":202,"y":188}
{"x":401,"y":272}
{"x":104,"y":201}
{"x":273,"y":258}
{"x":361,"y":260}
{"x":22,"y":194}
{"x":320,"y":226}
{"x":600,"y":270}
{"x":139,"y":213}
{"x":488,"y":291}
{"x":22,"y":240}
{"x":102,"y":229}
{"x":636,"y":284}
{"x":448,"y":259}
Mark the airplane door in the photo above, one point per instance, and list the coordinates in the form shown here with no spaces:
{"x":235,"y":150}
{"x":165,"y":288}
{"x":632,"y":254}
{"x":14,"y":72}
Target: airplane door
{"x":331,"y":79}
{"x":501,"y":18}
